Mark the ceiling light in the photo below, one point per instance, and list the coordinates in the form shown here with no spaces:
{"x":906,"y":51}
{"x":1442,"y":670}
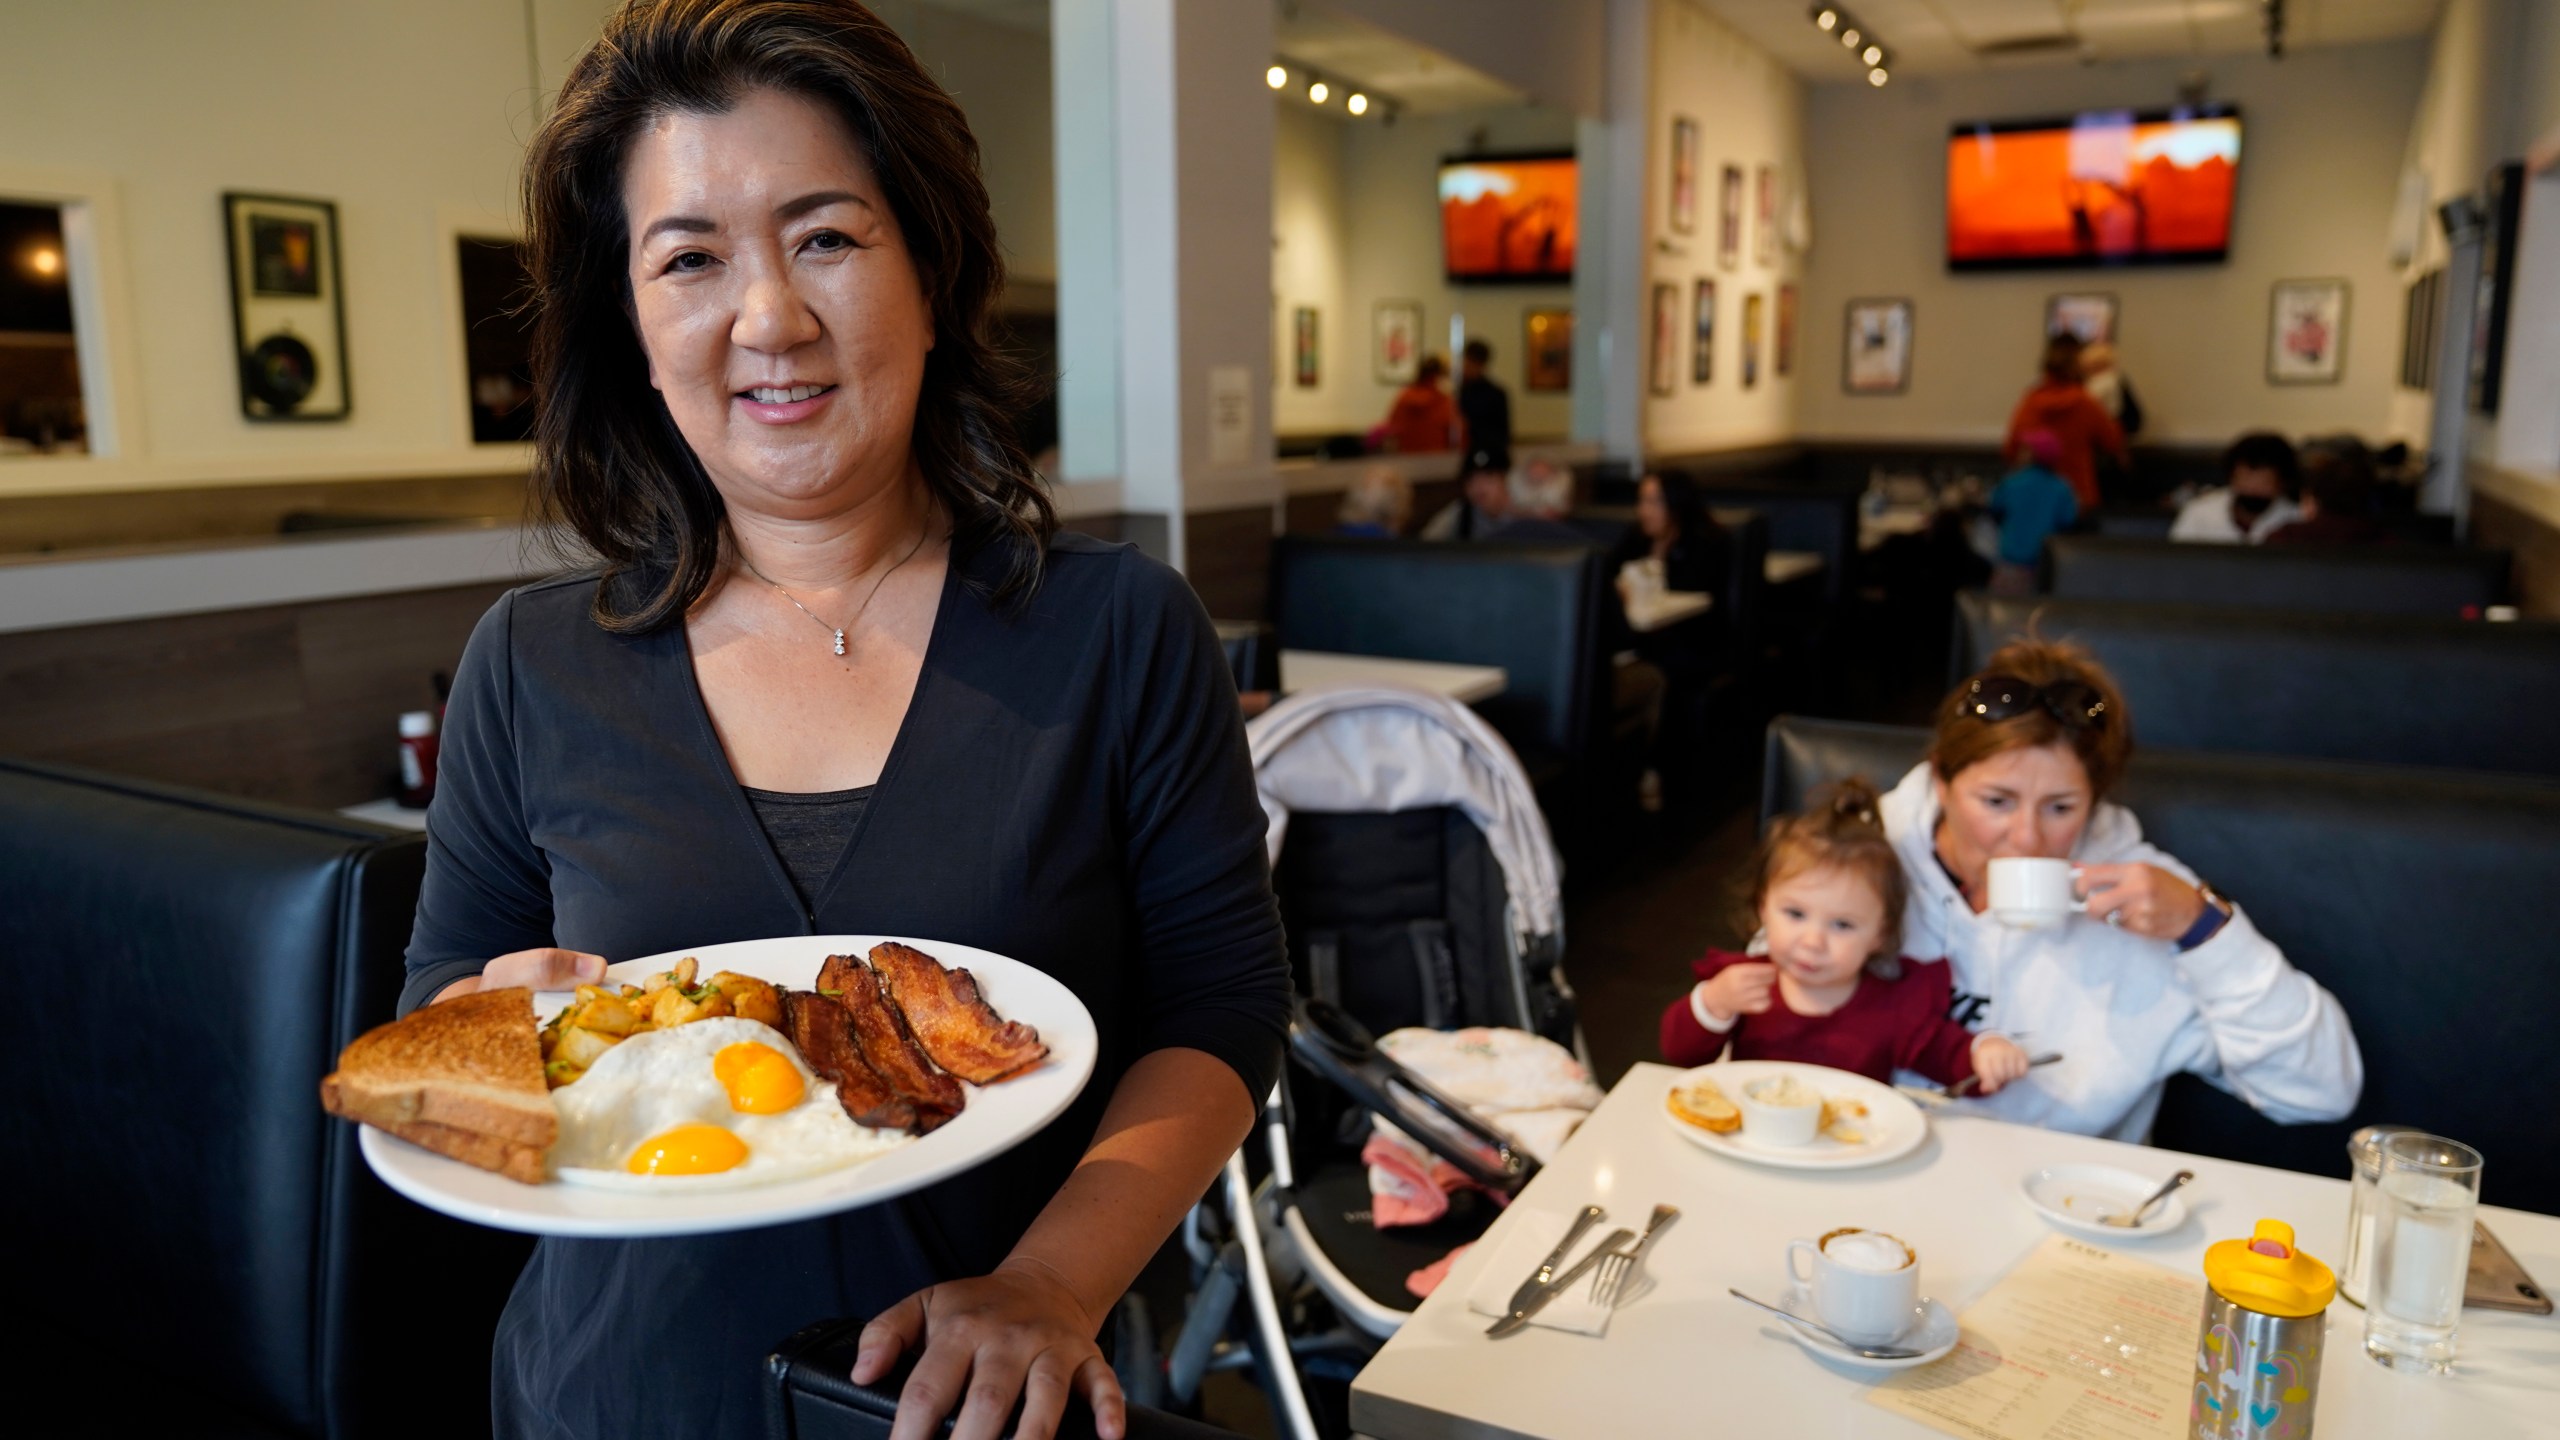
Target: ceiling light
{"x":1827,"y":18}
{"x":1876,"y":76}
{"x":45,"y":261}
{"x":1358,"y":104}
{"x":1318,"y":92}
{"x":1872,"y":54}
{"x":1277,"y":77}
{"x":1850,"y":37}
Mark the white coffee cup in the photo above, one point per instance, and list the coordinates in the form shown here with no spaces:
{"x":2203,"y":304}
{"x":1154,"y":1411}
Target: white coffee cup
{"x":2032,"y":893}
{"x":1865,"y":1283}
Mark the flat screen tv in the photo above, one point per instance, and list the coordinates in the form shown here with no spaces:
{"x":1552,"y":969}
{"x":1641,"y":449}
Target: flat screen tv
{"x":1507,"y":219}
{"x":2106,"y":187}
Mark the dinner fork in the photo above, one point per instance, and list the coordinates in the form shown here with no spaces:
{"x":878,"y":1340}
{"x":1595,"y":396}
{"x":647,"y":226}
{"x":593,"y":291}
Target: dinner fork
{"x":1620,"y":1266}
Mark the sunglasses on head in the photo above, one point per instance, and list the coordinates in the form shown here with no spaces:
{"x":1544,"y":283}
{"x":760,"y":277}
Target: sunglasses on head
{"x":2006,"y":697}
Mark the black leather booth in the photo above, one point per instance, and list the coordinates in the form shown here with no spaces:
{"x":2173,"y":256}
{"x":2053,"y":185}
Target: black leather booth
{"x":1533,"y":609}
{"x":2387,"y":689}
{"x":2419,"y":898}
{"x":2364,"y":579}
{"x":198,"y":1249}
{"x":1821,"y":517}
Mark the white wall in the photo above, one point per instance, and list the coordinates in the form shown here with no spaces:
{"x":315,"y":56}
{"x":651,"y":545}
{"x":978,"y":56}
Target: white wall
{"x":1750,"y":113}
{"x":412,"y":118}
{"x":1356,"y":221}
{"x":2324,"y":132}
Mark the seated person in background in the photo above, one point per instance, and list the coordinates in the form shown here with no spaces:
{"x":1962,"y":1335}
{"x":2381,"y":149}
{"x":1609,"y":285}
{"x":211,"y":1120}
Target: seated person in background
{"x":2033,"y":503}
{"x":1376,"y":506}
{"x":1541,"y":496}
{"x":2260,"y":476}
{"x":2337,"y":503}
{"x":1828,"y":893}
{"x":1484,"y":501}
{"x":1423,"y":419}
{"x":1674,"y":528}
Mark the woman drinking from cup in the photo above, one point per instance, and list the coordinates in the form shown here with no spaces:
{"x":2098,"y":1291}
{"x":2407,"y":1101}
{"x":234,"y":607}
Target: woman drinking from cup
{"x":2134,"y":970}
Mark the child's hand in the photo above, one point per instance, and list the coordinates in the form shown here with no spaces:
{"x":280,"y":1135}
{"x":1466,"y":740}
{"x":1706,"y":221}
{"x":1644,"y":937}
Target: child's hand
{"x":1998,"y":1061}
{"x":1742,"y":989}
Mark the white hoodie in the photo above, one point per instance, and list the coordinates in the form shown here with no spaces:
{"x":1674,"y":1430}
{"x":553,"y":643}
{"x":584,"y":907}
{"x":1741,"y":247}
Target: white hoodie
{"x":2126,"y":1011}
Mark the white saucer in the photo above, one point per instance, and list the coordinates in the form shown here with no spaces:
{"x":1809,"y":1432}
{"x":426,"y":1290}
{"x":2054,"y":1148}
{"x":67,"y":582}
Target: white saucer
{"x":1932,"y":1332}
{"x":2074,"y":1196}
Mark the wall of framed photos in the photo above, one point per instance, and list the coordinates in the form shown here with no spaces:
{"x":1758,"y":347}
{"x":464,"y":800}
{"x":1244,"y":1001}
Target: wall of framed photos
{"x":2324,"y":130}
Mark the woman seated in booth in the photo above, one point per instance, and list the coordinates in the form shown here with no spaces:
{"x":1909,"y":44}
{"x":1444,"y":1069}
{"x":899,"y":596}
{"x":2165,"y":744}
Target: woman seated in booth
{"x":2158,"y":974}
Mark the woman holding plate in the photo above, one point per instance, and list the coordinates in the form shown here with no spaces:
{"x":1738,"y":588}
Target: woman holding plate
{"x":837,"y":672}
{"x":2159,"y":975}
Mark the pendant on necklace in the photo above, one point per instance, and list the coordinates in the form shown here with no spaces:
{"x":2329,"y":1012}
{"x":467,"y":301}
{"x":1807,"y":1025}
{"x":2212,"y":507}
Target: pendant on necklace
{"x":839,"y":642}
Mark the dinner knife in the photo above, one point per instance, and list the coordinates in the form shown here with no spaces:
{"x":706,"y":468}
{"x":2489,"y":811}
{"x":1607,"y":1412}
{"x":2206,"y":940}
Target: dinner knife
{"x":1546,"y":1271}
{"x":1518,"y":1319}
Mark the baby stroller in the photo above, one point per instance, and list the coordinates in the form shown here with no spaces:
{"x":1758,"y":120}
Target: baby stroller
{"x":1418,"y":886}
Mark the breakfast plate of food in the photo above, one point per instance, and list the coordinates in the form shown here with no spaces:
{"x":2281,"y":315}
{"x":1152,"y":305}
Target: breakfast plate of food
{"x":721,"y":1088}
{"x":1792,"y":1116}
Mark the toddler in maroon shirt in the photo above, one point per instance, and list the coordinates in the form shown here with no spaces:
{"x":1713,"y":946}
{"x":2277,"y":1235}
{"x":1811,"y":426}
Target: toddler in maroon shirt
{"x":1828,"y":893}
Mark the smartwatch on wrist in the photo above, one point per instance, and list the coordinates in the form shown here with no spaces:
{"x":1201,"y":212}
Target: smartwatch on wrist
{"x":2217,"y":913}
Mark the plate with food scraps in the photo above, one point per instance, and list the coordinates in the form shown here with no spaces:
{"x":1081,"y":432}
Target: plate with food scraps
{"x":1860,"y":1122}
{"x":713,"y":1122}
{"x":2078,"y":1197}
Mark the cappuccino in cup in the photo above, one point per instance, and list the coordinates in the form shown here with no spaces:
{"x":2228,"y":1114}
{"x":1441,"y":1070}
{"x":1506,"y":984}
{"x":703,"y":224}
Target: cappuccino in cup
{"x":1865,"y":1283}
{"x":2032,"y":893}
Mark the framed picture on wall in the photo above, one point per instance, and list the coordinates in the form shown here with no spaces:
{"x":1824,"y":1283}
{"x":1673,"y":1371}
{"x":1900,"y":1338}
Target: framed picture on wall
{"x":2089,"y":318}
{"x":1876,"y":351}
{"x":1764,"y":230}
{"x":2307,"y":332}
{"x":289,"y":318}
{"x":1547,"y":347}
{"x":1396,"y":341}
{"x":1684,"y":174}
{"x":1666,"y":338}
{"x":1785,"y":358}
{"x":1702,"y":334}
{"x":1729,"y":219}
{"x":1754,"y":326}
{"x":1302,"y":329}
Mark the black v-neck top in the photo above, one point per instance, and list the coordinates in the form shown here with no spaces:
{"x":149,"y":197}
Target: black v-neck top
{"x":808,"y":830}
{"x":1070,"y":787}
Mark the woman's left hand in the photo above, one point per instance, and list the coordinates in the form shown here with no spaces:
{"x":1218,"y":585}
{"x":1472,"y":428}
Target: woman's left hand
{"x":2144,"y":899}
{"x":1020,"y":1332}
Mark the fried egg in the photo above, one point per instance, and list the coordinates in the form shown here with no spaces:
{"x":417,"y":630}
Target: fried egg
{"x":723,"y":1104}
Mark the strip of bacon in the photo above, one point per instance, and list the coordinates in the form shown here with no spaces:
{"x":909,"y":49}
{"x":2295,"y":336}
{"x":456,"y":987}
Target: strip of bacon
{"x":951,"y":1020}
{"x":823,"y":1031}
{"x":886,"y":1043}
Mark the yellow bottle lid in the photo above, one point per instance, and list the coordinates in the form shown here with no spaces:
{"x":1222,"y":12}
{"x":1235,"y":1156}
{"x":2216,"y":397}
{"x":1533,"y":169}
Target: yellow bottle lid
{"x":2267,"y":1274}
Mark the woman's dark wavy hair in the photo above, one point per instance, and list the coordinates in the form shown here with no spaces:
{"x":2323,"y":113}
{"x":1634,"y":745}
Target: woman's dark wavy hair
{"x":609,"y":463}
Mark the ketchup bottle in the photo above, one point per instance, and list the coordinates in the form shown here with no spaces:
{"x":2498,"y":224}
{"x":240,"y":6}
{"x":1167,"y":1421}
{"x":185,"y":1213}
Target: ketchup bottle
{"x":417,"y":759}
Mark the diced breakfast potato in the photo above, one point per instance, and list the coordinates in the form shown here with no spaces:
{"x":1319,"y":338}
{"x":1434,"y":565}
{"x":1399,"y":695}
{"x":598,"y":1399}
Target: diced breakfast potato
{"x":684,"y":972}
{"x":581,"y":1047}
{"x":713,"y":1005}
{"x":750,"y":998}
{"x":559,"y":1073}
{"x":670,"y":1009}
{"x":608,"y":1015}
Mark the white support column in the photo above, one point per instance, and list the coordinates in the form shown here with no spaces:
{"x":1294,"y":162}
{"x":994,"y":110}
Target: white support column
{"x":1610,"y":341}
{"x":1081,"y":69}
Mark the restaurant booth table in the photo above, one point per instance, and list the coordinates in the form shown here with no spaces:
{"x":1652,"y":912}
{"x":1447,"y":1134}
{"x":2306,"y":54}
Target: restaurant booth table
{"x":1685,"y":1358}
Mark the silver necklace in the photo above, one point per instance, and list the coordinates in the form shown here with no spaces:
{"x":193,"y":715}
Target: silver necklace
{"x":857,"y":611}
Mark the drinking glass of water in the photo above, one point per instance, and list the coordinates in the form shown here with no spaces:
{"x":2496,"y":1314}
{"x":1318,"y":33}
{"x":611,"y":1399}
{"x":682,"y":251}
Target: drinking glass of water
{"x":2428,"y":1191}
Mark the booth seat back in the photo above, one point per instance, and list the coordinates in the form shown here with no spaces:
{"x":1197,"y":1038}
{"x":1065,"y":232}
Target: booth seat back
{"x":2363,"y":579}
{"x":1533,"y":609}
{"x":1821,"y":517}
{"x":2418,"y":897}
{"x":189,"y":967}
{"x":2384,"y":689}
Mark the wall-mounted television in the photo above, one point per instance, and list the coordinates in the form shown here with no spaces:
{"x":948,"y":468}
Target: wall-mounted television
{"x":2106,"y":187}
{"x":1507,"y":219}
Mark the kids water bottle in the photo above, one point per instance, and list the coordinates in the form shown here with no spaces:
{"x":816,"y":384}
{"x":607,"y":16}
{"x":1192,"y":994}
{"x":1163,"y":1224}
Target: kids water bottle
{"x":2258,"y":1356}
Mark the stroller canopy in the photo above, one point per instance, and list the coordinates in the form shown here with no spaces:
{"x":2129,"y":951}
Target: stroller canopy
{"x":1385,"y":750}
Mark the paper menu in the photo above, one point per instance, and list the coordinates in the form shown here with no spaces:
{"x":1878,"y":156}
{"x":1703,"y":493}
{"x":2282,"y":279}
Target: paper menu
{"x":2075,"y":1343}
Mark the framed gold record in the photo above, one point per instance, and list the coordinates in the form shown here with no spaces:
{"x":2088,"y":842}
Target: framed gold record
{"x":288,"y":312}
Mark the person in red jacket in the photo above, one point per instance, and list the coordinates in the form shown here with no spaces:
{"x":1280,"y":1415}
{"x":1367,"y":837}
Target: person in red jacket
{"x":2058,"y":403}
{"x":1423,"y":418}
{"x":1829,"y":894}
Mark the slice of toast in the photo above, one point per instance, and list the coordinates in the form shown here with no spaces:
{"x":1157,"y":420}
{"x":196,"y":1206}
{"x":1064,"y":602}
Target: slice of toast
{"x":471,"y":1065}
{"x":1704,"y":1105}
{"x":521,"y":1163}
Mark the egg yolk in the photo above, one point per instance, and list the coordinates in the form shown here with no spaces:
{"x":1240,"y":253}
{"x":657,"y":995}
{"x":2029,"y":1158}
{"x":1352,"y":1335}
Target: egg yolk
{"x":759,"y":1079}
{"x":688,"y":1150}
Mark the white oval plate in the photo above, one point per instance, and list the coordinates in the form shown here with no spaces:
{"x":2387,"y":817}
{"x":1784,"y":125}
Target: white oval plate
{"x":2074,"y":1196}
{"x":1933,"y":1332}
{"x":997,"y":1117}
{"x":1895,"y":1127}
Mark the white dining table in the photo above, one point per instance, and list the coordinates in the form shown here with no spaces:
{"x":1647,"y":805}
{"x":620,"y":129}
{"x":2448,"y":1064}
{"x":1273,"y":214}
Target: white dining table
{"x":1688,"y":1359}
{"x":1668,"y":608}
{"x":1325,"y":670}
